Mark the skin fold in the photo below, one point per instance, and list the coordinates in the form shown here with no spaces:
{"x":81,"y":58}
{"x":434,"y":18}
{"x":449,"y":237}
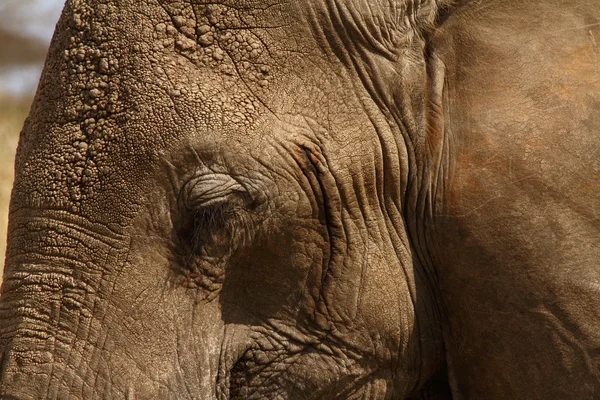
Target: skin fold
{"x":320,"y":199}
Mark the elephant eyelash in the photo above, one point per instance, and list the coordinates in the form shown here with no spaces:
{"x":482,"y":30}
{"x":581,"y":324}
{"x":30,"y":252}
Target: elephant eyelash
{"x":209,"y":219}
{"x":206,"y":223}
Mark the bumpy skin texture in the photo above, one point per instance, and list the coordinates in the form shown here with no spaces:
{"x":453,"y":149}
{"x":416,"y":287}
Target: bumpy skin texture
{"x":321,"y":199}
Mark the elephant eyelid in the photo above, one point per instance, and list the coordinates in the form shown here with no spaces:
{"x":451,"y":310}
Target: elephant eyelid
{"x":219,"y":212}
{"x":210,"y":205}
{"x":211,"y":191}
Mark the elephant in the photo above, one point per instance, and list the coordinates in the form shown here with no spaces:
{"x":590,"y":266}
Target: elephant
{"x":317,"y":199}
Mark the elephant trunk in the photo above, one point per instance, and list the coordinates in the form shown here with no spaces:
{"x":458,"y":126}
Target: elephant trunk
{"x":34,"y":353}
{"x":70,"y":331}
{"x":52,"y":304}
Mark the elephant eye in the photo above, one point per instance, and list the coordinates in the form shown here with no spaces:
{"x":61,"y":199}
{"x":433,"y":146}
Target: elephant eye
{"x":209,"y":230}
{"x":217,"y":214}
{"x":210,"y":219}
{"x":208,"y":206}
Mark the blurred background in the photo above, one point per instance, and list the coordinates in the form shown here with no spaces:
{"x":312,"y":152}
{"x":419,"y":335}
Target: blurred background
{"x":26,"y":28}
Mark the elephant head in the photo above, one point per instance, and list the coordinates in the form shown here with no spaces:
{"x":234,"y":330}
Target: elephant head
{"x":258,"y":200}
{"x":210,"y":200}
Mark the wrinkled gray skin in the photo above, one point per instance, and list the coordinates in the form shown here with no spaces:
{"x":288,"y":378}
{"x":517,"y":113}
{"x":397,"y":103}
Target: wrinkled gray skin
{"x":319,"y":199}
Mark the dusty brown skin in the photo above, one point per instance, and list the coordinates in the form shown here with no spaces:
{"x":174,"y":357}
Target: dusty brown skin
{"x":309,"y":200}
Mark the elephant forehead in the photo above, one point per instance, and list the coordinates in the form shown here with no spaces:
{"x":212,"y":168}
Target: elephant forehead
{"x":125,"y":83}
{"x":121,"y":60}
{"x":230,"y":40}
{"x":129,"y":84}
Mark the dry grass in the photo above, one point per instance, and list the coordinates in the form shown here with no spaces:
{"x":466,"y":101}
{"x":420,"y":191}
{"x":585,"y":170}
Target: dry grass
{"x":13,"y":112}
